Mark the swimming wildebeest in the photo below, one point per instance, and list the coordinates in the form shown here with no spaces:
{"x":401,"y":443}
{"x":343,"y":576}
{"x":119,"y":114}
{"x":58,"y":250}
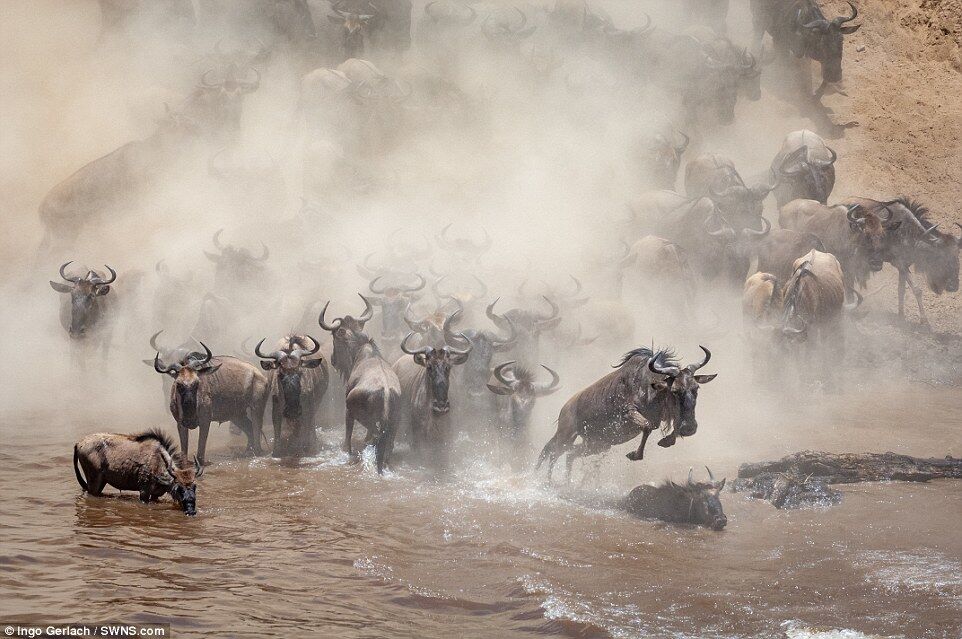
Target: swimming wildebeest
{"x":148,"y":463}
{"x":648,"y":389}
{"x":425,"y":375}
{"x":216,"y":389}
{"x":695,"y":503}
{"x":804,"y":168}
{"x":87,"y":308}
{"x":297,"y":386}
{"x":917,"y":242}
{"x":800,"y":27}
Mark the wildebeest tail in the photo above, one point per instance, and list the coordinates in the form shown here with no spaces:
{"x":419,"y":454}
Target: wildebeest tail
{"x":76,"y":468}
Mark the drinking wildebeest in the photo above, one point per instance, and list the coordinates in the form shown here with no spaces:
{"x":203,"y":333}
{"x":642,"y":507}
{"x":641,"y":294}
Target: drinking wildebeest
{"x":297,"y":385}
{"x":216,"y":389}
{"x":519,"y":392}
{"x":148,"y":462}
{"x":799,"y":27}
{"x":85,"y":315}
{"x":648,"y":389}
{"x":695,"y":503}
{"x":917,"y":242}
{"x":424,"y":374}
{"x":803,"y":169}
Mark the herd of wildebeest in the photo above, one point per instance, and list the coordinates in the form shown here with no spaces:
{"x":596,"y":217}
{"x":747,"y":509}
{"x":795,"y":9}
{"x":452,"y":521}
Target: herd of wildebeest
{"x":468,"y":365}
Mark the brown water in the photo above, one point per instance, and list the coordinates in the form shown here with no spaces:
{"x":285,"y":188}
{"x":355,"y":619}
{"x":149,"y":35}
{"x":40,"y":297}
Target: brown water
{"x":326,"y":548}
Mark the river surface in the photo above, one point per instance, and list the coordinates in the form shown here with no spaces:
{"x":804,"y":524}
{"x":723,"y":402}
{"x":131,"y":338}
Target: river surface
{"x":322,"y":547}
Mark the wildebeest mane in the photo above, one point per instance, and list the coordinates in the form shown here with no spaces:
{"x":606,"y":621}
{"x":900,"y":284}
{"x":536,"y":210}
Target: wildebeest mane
{"x":664,"y":356}
{"x":162,"y":438}
{"x":793,"y":287}
{"x":920,"y":211}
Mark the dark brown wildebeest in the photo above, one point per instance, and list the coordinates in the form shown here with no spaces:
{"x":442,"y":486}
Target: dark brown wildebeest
{"x":799,"y":27}
{"x":917,"y":242}
{"x":86,"y":310}
{"x":856,"y":236}
{"x":715,"y":176}
{"x":648,"y":389}
{"x":659,"y":157}
{"x":804,"y":168}
{"x":694,"y":503}
{"x":519,"y":392}
{"x":296,"y":386}
{"x":355,"y":27}
{"x":424,"y":374}
{"x":216,"y":389}
{"x":394,"y":299}
{"x":472,"y":377}
{"x":148,"y":462}
{"x":373,"y":396}
{"x":341,"y":329}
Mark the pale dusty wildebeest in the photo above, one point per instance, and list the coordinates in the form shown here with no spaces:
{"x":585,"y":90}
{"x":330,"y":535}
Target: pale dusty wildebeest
{"x":216,"y":389}
{"x":693,"y":503}
{"x":648,"y":389}
{"x":804,"y":168}
{"x":518,"y":391}
{"x":715,"y":176}
{"x":148,"y":462}
{"x":86,"y":311}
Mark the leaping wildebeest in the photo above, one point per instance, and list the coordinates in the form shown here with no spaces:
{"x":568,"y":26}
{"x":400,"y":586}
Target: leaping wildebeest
{"x":215,"y":389}
{"x":648,"y":389}
{"x":297,"y":385}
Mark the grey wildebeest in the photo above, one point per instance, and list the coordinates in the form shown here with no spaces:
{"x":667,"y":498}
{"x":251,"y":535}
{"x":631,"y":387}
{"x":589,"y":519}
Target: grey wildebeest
{"x":297,"y":385}
{"x":654,"y":267}
{"x":648,"y":389}
{"x":216,"y":389}
{"x":394,"y":299}
{"x":715,"y":176}
{"x":236,"y":267}
{"x":472,"y":377}
{"x":87,"y":307}
{"x":216,"y":104}
{"x":354,"y":25}
{"x":804,"y":168}
{"x":917,"y":242}
{"x":693,"y":503}
{"x":776,"y":250}
{"x":858,"y":237}
{"x":424,"y":374}
{"x":341,"y":329}
{"x":519,"y":392}
{"x":659,"y":157}
{"x":799,"y":27}
{"x":148,"y":462}
{"x":529,"y":325}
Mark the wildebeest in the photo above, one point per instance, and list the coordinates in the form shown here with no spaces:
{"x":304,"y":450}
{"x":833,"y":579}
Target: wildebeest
{"x":715,"y":176}
{"x":658,"y":268}
{"x":648,"y":389}
{"x":236,"y":267}
{"x":432,"y":327}
{"x":342,"y":329}
{"x":463,"y":247}
{"x":659,"y":157}
{"x":354,"y":26}
{"x":393,"y":300}
{"x":503,"y":33}
{"x":858,"y":237}
{"x":424,"y":374}
{"x":148,"y":462}
{"x":216,"y":389}
{"x":86,"y":310}
{"x":520,"y":391}
{"x":695,"y":503}
{"x":800,"y":27}
{"x":917,"y":242}
{"x":216,"y":104}
{"x":529,"y":325}
{"x":775,"y":250}
{"x":472,"y":377}
{"x":446,"y":13}
{"x":297,"y":386}
{"x":804,"y":168}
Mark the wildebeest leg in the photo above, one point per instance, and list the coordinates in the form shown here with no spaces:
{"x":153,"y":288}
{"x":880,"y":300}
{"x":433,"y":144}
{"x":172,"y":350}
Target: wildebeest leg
{"x":278,"y":418}
{"x":184,"y":439}
{"x":668,"y":440}
{"x":636,"y":455}
{"x":202,"y":443}
{"x":901,"y":293}
{"x":95,"y":483}
{"x":917,"y":292}
{"x":562,"y":441}
{"x":145,"y":495}
{"x":348,"y":431}
{"x":253,"y":441}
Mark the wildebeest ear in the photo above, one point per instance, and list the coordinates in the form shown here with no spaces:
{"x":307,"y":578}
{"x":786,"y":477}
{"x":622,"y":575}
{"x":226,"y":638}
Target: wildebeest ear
{"x":103,"y":289}
{"x":62,"y":288}
{"x":268,"y":364}
{"x":149,"y":362}
{"x":849,"y":30}
{"x":704,"y":379}
{"x":500,"y":390}
{"x":311,"y":363}
{"x":721,"y":484}
{"x":208,"y":370}
{"x":420,"y":359}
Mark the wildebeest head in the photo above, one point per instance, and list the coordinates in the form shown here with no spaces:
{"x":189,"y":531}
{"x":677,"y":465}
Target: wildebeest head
{"x":354,"y":27}
{"x":85,"y":293}
{"x":171,"y":354}
{"x":236,"y":265}
{"x":700,"y":500}
{"x":184,"y":394}
{"x":393,"y":300}
{"x":438,"y":363}
{"x":519,"y":385}
{"x":183,"y":490}
{"x":462,"y":246}
{"x":937,"y":255}
{"x":661,"y":157}
{"x":529,"y":324}
{"x":810,"y":178}
{"x":465,"y":292}
{"x":218,"y":104}
{"x":448,"y":13}
{"x":484,"y":344}
{"x":346,"y":332}
{"x":679,"y":387}
{"x":433,"y":327}
{"x":870,"y":233}
{"x":289,"y":362}
{"x":822,"y":39}
{"x":739,"y":203}
{"x":502,"y":33}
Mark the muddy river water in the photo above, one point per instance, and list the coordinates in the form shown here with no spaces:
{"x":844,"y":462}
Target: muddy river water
{"x":322,"y":547}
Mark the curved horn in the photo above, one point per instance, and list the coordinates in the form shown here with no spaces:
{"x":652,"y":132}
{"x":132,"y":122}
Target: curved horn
{"x":832,"y":159}
{"x":313,"y":350}
{"x":798,"y":155}
{"x":257,"y":351}
{"x":204,"y":83}
{"x":64,"y":275}
{"x":417,"y":287}
{"x":499,"y":374}
{"x":471,"y":18}
{"x":250,"y":87}
{"x":960,"y":231}
{"x":217,"y":243}
{"x":555,"y":311}
{"x":711,"y":477}
{"x":368,"y":311}
{"x":767,"y":227}
{"x":153,"y":341}
{"x":716,"y":194}
{"x":852,"y":212}
{"x":655,"y":367}
{"x":547,"y":387}
{"x":695,"y":367}
{"x":684,"y":145}
{"x":328,"y":327}
{"x":113,"y":275}
{"x":851,"y":306}
{"x":647,"y":26}
{"x":265,"y":253}
{"x":724,"y":228}
{"x":842,"y":20}
{"x":524,"y":19}
{"x":377,"y":291}
{"x":499,"y":320}
{"x":484,"y":287}
{"x":690,"y":471}
{"x":160,"y":268}
{"x":160,"y":367}
{"x":207,"y":354}
{"x":419,"y":351}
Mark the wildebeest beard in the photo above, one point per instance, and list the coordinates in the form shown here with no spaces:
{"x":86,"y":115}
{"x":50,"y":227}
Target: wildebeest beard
{"x":291,"y":388}
{"x":185,"y":406}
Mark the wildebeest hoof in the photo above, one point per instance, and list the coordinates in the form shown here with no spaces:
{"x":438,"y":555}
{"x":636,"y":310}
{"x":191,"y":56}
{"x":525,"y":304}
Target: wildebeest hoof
{"x":635,"y":456}
{"x":666,"y":442}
